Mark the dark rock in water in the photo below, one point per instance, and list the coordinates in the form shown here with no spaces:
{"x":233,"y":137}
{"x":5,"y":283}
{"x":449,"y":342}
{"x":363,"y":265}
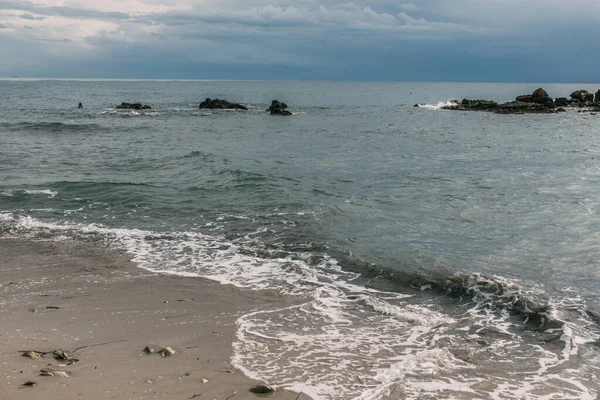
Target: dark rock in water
{"x":597,"y":97}
{"x":218,"y":104}
{"x":134,"y":106}
{"x":561,"y":102}
{"x":519,"y":107}
{"x":539,"y":96}
{"x":582,"y":96}
{"x":539,"y":93}
{"x":278,"y":108}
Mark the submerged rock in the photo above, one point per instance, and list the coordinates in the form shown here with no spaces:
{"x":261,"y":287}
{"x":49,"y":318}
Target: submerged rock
{"x":278,"y":108}
{"x":218,"y":104}
{"x":134,"y":106}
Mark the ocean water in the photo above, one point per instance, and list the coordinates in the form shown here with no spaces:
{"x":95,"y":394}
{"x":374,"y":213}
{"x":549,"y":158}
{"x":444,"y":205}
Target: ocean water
{"x":437,"y":254}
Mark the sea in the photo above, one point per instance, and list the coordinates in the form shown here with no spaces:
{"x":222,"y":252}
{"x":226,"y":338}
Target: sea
{"x":434,"y":254}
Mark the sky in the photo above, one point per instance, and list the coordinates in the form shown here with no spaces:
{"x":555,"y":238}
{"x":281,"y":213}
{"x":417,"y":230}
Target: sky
{"x":347,"y":40}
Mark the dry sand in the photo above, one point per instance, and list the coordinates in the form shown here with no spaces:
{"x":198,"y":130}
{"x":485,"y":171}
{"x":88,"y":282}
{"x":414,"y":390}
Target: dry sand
{"x":115,"y":310}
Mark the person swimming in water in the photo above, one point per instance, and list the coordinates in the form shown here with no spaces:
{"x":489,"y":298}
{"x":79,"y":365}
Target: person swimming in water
{"x":80,"y":105}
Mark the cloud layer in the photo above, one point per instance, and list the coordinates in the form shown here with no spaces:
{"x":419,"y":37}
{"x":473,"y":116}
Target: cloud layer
{"x":428,"y":40}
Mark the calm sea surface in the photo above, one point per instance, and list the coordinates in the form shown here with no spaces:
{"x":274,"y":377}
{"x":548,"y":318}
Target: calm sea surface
{"x":439,"y":254}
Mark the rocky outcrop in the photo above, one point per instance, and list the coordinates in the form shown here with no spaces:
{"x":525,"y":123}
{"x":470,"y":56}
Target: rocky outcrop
{"x":538,"y":102}
{"x":218,"y":104}
{"x":278,"y":108}
{"x":134,"y":106}
{"x":582,"y":96}
{"x":512,"y":107}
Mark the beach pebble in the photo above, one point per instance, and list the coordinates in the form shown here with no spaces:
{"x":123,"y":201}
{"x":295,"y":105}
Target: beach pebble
{"x":262,"y":389}
{"x":166,"y":351}
{"x":49,"y":372}
{"x":32,"y":354}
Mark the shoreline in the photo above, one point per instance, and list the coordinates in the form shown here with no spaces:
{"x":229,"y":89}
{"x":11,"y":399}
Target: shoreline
{"x":77,"y":296}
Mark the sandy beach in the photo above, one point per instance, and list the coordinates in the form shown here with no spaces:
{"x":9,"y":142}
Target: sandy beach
{"x":102,"y":310}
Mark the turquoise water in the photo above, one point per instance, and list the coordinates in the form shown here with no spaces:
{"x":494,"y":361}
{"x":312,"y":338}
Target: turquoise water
{"x":433,"y":231}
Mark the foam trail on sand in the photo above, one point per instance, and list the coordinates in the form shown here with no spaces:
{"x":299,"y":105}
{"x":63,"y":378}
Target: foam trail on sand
{"x":342,"y":340}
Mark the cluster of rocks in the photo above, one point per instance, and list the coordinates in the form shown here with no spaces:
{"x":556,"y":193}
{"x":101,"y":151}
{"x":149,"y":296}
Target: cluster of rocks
{"x":276,"y":107}
{"x":538,"y":102}
{"x":132,"y":106}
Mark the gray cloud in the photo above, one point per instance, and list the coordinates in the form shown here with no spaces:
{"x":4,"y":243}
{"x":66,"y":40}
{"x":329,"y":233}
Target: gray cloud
{"x":31,"y":17}
{"x":15,"y":5}
{"x":60,"y":10}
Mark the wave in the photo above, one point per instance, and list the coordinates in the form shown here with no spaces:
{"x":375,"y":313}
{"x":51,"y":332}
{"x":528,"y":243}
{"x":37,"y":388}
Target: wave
{"x":66,"y":185}
{"x":197,"y":153}
{"x":51,"y":127}
{"x":491,"y":292}
{"x":21,"y":193}
{"x":342,"y":339}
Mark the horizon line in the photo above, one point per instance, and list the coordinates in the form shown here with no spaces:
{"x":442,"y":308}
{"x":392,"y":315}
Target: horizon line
{"x":16,"y":78}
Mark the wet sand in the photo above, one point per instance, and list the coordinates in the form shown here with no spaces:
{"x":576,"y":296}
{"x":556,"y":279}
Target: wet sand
{"x":75,"y":295}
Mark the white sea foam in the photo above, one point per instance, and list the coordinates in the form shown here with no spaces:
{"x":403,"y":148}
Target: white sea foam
{"x":47,"y":192}
{"x":346,"y":341}
{"x":439,"y":105}
{"x":50,"y":193}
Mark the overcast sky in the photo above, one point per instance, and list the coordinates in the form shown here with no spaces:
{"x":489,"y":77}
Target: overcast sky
{"x":371,"y":40}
